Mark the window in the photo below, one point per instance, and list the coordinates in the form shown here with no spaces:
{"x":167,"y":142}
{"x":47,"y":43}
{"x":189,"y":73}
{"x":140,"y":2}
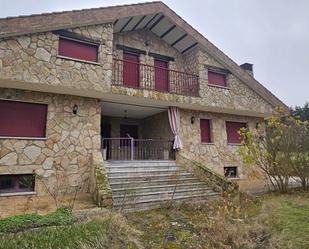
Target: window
{"x":205,"y":131}
{"x":21,"y":119}
{"x":78,"y":49}
{"x":216,"y":79}
{"x":232,"y":129}
{"x":230,"y":172}
{"x":17,"y":183}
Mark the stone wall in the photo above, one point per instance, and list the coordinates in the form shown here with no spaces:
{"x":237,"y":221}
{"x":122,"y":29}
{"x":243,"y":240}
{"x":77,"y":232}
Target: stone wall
{"x":219,"y":153}
{"x":235,"y":97}
{"x":33,"y":58}
{"x":64,"y":158}
{"x":157,"y":127}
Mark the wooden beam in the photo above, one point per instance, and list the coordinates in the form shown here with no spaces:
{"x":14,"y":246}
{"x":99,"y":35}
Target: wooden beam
{"x":168,"y":31}
{"x":179,"y":39}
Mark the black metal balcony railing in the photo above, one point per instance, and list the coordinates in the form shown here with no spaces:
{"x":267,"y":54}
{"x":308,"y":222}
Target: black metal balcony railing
{"x":142,"y":76}
{"x":137,"y":149}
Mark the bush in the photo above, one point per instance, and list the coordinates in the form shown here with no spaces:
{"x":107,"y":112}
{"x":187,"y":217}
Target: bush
{"x":61,"y":216}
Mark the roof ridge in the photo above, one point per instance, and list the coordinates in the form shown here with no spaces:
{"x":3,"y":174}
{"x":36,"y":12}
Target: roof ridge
{"x":79,"y":10}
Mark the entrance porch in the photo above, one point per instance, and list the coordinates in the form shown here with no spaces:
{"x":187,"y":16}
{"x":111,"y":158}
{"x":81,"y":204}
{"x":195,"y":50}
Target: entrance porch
{"x":135,"y":132}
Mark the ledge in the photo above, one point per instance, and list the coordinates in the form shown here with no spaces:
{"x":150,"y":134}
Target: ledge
{"x":24,"y":138}
{"x":222,"y":87}
{"x":17,"y":194}
{"x":234,"y":144}
{"x":207,"y":143}
{"x":78,"y":60}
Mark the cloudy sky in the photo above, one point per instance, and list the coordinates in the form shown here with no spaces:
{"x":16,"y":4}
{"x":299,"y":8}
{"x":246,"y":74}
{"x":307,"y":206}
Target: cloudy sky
{"x":271,"y":34}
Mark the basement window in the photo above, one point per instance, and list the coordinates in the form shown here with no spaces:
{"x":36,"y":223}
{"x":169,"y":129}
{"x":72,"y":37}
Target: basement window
{"x":217,"y":79}
{"x":230,"y":172}
{"x":17,"y":183}
{"x":78,"y":50}
{"x":22,"y":119}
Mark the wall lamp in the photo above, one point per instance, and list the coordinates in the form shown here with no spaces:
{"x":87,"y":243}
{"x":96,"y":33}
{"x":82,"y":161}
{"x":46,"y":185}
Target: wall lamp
{"x":75,"y":109}
{"x":192,"y":120}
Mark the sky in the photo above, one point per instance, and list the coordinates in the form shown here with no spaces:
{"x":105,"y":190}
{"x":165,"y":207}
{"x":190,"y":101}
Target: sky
{"x":273,"y":35}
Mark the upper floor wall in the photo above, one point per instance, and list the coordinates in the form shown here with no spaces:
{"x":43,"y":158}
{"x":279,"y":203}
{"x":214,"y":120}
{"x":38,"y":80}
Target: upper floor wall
{"x":32,"y":62}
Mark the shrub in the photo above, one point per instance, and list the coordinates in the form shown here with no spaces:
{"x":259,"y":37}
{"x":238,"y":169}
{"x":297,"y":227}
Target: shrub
{"x":61,"y":216}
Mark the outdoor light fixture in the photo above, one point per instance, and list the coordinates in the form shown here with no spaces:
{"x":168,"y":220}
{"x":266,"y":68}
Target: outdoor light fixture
{"x":192,"y":120}
{"x":75,"y":109}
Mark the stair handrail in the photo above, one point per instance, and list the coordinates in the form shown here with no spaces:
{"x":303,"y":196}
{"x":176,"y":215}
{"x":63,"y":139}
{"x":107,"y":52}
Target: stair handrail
{"x":217,"y":181}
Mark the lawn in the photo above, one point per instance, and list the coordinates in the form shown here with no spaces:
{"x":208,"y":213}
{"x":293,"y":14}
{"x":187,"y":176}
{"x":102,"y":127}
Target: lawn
{"x":272,"y":221}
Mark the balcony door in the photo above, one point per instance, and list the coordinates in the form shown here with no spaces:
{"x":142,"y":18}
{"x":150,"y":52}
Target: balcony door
{"x":161,"y":75}
{"x":130,"y":70}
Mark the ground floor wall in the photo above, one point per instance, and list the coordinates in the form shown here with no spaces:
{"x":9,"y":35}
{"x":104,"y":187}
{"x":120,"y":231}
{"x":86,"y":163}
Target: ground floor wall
{"x":219,"y":153}
{"x":61,"y":162}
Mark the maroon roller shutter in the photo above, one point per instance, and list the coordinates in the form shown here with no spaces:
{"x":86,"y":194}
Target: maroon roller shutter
{"x":20,"y":119}
{"x":216,"y":79}
{"x":78,"y":50}
{"x":205,"y":131}
{"x":130,"y":70}
{"x":161,"y":75}
{"x":232,"y":129}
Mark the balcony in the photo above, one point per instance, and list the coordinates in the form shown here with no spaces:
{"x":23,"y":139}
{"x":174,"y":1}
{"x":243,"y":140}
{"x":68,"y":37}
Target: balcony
{"x":133,"y":74}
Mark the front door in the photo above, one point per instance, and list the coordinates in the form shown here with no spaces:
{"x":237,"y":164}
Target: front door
{"x":129,"y":130}
{"x":130,"y":70}
{"x":161,"y":75}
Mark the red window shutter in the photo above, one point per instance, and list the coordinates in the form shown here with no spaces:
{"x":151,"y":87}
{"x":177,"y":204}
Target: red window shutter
{"x":205,"y":131}
{"x":232,"y":129}
{"x":217,"y":79}
{"x":78,"y":50}
{"x":20,"y":119}
{"x":130,"y":70}
{"x":161,"y":75}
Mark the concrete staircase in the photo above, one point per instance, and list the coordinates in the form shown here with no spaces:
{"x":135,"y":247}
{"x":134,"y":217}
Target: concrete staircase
{"x":142,"y":185}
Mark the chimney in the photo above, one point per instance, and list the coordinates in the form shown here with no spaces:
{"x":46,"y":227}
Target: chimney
{"x":248,"y":67}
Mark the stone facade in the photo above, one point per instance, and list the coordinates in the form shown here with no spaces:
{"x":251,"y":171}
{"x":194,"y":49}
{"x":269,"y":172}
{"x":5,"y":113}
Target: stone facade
{"x":66,"y":153}
{"x":219,"y":153}
{"x":34,"y":59}
{"x":236,"y":97}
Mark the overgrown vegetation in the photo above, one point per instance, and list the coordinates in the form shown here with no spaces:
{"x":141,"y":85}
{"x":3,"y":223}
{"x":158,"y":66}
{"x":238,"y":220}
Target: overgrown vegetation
{"x":111,"y":232}
{"x":61,"y":216}
{"x":235,"y":223}
{"x":279,"y":150}
{"x":269,"y":222}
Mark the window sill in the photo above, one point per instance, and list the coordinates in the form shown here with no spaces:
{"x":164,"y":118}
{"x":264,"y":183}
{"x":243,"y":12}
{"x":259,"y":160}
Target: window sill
{"x":17,"y":194}
{"x":24,"y":138}
{"x":203,"y":143}
{"x":78,"y":60}
{"x":222,"y":87}
{"x":233,"y":178}
{"x":234,"y":144}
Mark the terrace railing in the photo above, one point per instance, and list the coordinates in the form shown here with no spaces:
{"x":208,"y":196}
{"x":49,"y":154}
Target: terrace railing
{"x":137,"y":149}
{"x":143,"y":76}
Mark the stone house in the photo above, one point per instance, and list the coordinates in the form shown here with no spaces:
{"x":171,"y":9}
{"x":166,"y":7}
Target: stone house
{"x":78,"y":88}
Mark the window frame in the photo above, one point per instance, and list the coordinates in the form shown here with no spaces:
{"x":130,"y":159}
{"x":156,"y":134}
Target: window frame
{"x":79,"y":41}
{"x":16,"y":189}
{"x":227,"y":137}
{"x":220,"y":73}
{"x":210,"y":132}
{"x":28,"y":137}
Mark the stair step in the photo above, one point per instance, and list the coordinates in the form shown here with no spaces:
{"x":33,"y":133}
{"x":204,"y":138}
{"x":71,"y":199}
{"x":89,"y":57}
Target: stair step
{"x":160,"y":200}
{"x":178,"y":185}
{"x":147,"y":176}
{"x":161,"y":181}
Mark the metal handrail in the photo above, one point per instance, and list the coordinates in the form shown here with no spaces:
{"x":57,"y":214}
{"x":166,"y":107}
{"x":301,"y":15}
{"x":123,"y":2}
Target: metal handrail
{"x":129,"y":148}
{"x":179,"y":82}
